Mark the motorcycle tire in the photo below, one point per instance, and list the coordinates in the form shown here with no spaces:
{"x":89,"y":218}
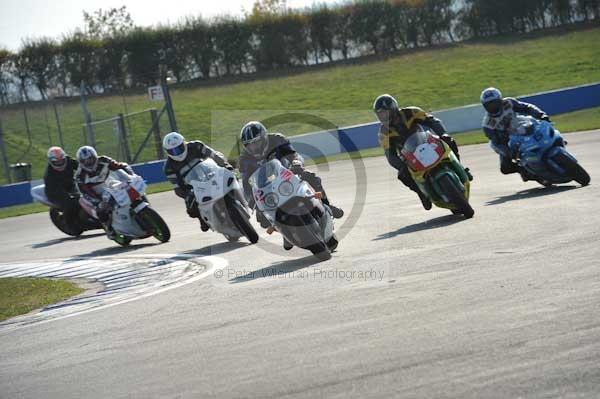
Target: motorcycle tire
{"x":155,"y":224}
{"x":320,"y":250}
{"x":59,"y":221}
{"x":456,"y":197}
{"x":122,"y":240}
{"x":574,"y":169}
{"x":239,"y":220}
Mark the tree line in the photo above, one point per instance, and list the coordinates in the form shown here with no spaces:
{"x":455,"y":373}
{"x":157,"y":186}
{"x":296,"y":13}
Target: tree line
{"x":114,"y":55}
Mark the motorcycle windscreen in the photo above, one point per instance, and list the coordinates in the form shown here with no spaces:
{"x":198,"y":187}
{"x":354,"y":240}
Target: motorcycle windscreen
{"x":202,"y":171}
{"x":266,"y":174}
{"x":422,"y":150}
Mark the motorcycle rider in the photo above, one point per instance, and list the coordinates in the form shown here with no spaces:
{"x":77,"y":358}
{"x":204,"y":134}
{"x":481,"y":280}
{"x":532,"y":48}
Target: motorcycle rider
{"x":500,"y":119}
{"x":397,"y":124}
{"x":59,"y":181}
{"x":182,"y":157}
{"x":261,"y":146}
{"x":94,"y":170}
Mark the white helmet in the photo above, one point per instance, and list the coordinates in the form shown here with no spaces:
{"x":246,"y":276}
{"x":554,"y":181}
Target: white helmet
{"x":175,"y":146}
{"x":87,"y":158}
{"x":491,"y":99}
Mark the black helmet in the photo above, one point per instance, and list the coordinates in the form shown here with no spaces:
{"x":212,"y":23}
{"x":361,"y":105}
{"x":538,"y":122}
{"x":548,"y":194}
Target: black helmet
{"x":384,"y":106}
{"x":254,"y":138}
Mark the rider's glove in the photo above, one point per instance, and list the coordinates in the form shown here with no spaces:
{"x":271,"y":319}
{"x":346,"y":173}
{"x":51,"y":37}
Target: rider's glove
{"x":297,"y":167}
{"x":229,"y":167}
{"x":545,"y":118}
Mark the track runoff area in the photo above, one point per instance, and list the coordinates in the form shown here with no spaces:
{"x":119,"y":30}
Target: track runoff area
{"x":413,"y":303}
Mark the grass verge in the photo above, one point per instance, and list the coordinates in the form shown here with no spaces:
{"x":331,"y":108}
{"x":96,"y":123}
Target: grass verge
{"x":22,"y":295}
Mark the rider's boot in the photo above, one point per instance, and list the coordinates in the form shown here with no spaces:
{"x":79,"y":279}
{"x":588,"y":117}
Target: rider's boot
{"x":203,"y":225}
{"x":287,"y":245}
{"x":425,"y":201}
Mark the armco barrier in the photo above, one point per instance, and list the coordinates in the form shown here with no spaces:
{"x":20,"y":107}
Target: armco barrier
{"x":15,"y":194}
{"x":152,"y":172}
{"x":353,"y":138}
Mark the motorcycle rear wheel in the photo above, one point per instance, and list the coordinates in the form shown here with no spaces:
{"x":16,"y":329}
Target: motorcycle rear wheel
{"x":456,"y":197}
{"x":58,"y":220}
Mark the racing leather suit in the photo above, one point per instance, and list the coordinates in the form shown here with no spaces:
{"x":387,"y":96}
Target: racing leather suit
{"x":60,"y":188}
{"x":88,"y":180}
{"x":497,"y":129}
{"x":176,"y":171}
{"x":392,"y":139}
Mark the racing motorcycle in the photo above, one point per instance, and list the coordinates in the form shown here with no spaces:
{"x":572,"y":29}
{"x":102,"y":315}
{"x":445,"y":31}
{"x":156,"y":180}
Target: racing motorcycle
{"x":82,"y":221}
{"x":124,"y":196}
{"x":437,"y":171}
{"x":540,"y":149}
{"x":294,"y":209}
{"x":220,"y":200}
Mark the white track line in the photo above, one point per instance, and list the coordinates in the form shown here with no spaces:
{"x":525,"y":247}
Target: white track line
{"x":139,"y":276}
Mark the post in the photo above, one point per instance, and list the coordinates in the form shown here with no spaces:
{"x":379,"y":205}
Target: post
{"x":169,"y":104}
{"x":91,"y":139}
{"x":59,"y":128}
{"x":4,"y":155}
{"x":156,"y":130}
{"x":123,"y":137}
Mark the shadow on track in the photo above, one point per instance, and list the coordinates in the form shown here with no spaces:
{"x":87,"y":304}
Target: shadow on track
{"x":56,"y":241}
{"x":530,"y":193}
{"x":277,"y":269}
{"x":435,"y":223}
{"x":219,"y":248}
{"x":114,"y":250}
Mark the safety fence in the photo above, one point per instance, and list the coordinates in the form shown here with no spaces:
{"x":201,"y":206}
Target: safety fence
{"x":335,"y":141}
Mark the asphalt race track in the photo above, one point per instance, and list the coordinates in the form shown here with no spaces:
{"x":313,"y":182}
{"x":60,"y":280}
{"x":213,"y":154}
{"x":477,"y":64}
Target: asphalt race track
{"x":413,"y":304}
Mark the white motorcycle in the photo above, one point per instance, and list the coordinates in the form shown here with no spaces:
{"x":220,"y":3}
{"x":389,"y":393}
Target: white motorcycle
{"x":220,"y":200}
{"x":294,"y":209}
{"x":132,"y":216}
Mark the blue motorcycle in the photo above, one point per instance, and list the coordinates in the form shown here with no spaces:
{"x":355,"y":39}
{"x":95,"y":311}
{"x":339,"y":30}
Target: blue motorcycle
{"x":540,"y":149}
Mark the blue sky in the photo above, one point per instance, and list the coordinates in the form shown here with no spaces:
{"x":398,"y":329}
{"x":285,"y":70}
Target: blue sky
{"x":35,"y":18}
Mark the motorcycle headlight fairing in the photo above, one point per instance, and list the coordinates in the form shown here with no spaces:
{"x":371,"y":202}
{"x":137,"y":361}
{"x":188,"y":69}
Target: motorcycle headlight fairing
{"x":271,"y":200}
{"x":286,"y":188}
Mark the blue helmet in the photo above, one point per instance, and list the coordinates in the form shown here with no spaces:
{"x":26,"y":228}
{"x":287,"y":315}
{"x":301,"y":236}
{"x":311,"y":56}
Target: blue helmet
{"x":491,"y":99}
{"x":254,"y":138}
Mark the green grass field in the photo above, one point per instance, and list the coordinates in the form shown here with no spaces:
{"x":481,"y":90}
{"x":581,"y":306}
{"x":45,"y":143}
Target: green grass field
{"x":22,"y":295}
{"x":342,"y":95}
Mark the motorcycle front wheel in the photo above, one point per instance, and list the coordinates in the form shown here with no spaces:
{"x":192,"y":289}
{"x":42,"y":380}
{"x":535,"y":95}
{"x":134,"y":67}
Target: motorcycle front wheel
{"x":239,"y":219}
{"x":456,"y":196}
{"x":574,"y":169}
{"x":155,"y":224}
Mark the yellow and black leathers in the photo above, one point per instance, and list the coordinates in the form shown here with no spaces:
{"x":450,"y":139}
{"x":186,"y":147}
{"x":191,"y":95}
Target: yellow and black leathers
{"x":401,"y":125}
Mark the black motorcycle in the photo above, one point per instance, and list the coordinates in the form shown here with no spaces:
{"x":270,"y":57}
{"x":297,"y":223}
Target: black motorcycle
{"x":81,"y":220}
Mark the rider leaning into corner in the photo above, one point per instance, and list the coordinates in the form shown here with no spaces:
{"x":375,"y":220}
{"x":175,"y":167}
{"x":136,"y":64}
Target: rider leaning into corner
{"x":397,"y":124}
{"x":500,"y":120}
{"x":59,"y":181}
{"x":182,"y":157}
{"x":260,"y":147}
{"x":94,"y":170}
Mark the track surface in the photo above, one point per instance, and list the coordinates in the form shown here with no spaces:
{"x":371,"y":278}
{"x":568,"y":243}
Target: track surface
{"x":504,"y":305}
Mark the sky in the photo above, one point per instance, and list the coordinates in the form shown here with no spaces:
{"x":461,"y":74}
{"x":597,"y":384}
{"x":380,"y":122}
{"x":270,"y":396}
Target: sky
{"x":20,"y":19}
